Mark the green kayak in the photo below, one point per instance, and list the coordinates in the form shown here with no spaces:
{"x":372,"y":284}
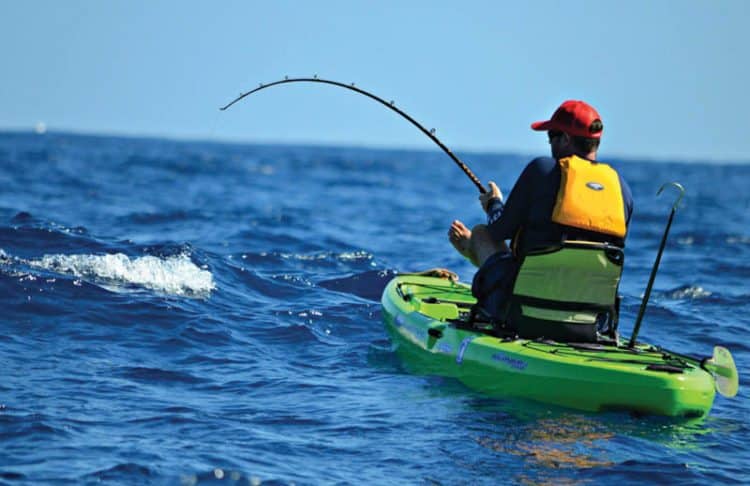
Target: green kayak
{"x":427,"y":319}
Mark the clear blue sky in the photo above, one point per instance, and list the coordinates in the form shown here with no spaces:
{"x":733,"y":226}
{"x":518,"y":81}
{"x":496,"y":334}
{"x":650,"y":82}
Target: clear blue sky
{"x":671,"y":79}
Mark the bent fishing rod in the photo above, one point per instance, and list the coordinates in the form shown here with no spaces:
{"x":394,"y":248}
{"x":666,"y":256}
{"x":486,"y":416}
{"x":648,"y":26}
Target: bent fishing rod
{"x":391,"y":105}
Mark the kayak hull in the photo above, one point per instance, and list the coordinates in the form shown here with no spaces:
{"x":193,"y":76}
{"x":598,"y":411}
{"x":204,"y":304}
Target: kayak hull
{"x":423,"y":317}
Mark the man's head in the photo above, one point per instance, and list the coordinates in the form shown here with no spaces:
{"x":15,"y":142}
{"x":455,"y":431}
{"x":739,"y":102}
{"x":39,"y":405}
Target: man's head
{"x":575,"y":128}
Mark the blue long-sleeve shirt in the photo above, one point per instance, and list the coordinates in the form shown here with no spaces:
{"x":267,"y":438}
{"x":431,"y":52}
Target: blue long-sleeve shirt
{"x":529,"y":209}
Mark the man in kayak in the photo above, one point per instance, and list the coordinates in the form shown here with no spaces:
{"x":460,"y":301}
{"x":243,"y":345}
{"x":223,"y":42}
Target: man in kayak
{"x":544,"y":207}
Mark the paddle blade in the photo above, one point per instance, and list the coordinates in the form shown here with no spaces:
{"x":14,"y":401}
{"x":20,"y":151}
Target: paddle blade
{"x":721,"y":366}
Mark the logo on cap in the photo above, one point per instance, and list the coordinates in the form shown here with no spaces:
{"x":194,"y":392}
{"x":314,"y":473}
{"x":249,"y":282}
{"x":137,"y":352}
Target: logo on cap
{"x":595,"y":186}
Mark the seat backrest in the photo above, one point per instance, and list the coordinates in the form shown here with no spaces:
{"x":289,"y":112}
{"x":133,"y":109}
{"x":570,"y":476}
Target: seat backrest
{"x":566,"y":290}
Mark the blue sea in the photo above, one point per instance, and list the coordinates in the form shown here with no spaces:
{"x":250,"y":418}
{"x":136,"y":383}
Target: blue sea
{"x":177,"y":312}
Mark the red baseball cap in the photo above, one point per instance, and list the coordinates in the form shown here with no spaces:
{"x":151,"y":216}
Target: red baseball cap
{"x":574,"y":118}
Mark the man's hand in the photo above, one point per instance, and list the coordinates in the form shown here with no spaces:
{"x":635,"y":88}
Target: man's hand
{"x":494,"y":192}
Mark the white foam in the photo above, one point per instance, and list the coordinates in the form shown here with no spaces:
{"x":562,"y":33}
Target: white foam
{"x":735,"y":240}
{"x":175,"y":275}
{"x":691,"y":292}
{"x":346,"y":256}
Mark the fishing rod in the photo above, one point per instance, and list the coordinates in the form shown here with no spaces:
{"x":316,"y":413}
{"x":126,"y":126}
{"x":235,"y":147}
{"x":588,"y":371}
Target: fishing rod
{"x":388,"y":104}
{"x":651,"y":279}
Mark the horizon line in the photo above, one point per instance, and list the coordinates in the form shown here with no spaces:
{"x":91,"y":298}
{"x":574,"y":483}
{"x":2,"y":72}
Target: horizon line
{"x":35,"y":131}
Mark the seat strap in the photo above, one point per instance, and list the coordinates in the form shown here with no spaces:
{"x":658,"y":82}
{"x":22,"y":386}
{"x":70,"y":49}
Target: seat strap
{"x":561,"y":305}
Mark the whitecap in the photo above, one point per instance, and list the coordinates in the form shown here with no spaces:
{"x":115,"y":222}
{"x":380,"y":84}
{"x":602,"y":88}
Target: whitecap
{"x":345,"y":256}
{"x":738,"y":240}
{"x":174,"y":275}
{"x":354,"y":255}
{"x":690,"y":292}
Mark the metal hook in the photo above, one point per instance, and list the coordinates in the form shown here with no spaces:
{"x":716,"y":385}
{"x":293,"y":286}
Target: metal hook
{"x":679,"y":188}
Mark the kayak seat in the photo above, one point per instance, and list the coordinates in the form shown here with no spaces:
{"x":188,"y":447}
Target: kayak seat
{"x":567,"y":293}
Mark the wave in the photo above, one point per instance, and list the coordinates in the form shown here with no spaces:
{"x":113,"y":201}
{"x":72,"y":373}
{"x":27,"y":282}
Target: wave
{"x":738,"y":240}
{"x":126,"y":472}
{"x":158,"y":375}
{"x":687,"y":292}
{"x":117,"y":272}
{"x":349,"y":256}
{"x":219,"y":475}
{"x":368,"y":285}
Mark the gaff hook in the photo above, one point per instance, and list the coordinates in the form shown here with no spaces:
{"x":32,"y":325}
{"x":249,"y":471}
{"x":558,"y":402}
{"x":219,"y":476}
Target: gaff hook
{"x":647,"y":294}
{"x":679,"y":188}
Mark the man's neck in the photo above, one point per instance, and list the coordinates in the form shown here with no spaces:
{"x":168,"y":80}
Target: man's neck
{"x":587,"y":155}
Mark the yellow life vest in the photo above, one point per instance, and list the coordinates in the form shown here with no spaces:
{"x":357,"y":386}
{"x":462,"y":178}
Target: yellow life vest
{"x":589,"y":197}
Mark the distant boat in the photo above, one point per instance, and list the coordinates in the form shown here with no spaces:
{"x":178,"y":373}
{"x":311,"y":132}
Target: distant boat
{"x":40,"y":128}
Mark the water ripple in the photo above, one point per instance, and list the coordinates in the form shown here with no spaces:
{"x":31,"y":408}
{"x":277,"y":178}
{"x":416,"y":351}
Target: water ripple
{"x":280,"y":371}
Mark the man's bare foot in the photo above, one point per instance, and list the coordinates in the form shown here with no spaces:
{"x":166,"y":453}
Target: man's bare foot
{"x":460,"y":237}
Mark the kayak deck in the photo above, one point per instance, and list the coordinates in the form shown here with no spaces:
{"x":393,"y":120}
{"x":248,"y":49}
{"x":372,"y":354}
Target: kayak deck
{"x":426,"y":318}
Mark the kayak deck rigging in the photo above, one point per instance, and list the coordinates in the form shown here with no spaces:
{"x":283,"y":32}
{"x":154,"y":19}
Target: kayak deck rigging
{"x":431,"y":324}
{"x":464,"y":320}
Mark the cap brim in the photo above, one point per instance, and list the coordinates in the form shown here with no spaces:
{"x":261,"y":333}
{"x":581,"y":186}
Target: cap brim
{"x":541,"y":125}
{"x":554,"y":125}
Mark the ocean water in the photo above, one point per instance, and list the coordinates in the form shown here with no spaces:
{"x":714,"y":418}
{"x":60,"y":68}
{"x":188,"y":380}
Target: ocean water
{"x":204,"y":313}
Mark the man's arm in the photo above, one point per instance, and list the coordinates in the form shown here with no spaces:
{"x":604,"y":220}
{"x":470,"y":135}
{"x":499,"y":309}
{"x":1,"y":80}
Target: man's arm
{"x":507,"y":218}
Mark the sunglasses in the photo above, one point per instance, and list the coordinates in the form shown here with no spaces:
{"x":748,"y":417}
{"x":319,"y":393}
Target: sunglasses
{"x":553,"y":134}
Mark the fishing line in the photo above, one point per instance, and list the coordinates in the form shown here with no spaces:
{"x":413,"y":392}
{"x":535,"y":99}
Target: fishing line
{"x":388,"y":104}
{"x":212,"y":133}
